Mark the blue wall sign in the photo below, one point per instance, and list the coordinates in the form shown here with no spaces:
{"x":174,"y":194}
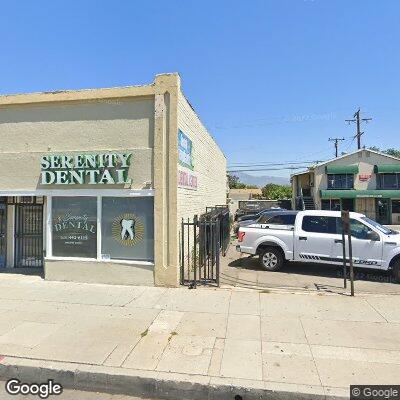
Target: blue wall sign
{"x":185,"y":151}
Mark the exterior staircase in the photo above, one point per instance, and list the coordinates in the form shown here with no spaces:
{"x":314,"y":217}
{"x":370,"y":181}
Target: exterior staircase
{"x":308,"y":203}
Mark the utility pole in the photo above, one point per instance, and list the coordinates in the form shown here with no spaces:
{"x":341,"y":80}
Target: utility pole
{"x":336,"y":140}
{"x":358,"y":120}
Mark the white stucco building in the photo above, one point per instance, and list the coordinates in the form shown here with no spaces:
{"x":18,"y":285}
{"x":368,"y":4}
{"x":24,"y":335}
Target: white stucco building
{"x":365,"y":181}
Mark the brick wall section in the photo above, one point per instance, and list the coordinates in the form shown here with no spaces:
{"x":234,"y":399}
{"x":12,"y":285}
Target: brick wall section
{"x":209,"y":165}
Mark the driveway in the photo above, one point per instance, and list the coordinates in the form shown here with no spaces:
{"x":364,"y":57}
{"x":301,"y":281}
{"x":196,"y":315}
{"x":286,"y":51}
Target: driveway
{"x":240,"y":270}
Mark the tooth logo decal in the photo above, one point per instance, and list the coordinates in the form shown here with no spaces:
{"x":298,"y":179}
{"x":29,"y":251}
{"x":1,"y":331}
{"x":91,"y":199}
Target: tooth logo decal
{"x":127,"y":229}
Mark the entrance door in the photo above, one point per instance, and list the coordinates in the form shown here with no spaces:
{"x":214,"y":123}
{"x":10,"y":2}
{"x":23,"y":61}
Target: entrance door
{"x":29,"y":235}
{"x":382,"y":208}
{"x":348,"y":204}
{"x":3,"y":235}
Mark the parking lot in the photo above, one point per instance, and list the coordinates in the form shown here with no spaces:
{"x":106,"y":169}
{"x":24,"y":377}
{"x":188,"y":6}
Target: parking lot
{"x":240,"y":270}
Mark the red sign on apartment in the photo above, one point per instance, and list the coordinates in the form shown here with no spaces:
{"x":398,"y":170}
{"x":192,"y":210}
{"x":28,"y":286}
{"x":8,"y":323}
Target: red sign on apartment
{"x":364,"y":177}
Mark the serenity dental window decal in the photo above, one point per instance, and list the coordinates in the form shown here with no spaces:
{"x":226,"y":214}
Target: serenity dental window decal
{"x":74,"y":226}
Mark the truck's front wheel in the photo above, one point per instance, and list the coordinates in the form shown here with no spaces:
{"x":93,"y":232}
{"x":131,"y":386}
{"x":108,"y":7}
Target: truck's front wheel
{"x":271,"y":258}
{"x":396,"y":271}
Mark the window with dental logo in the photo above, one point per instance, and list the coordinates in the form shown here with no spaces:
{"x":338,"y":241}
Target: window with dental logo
{"x":127,"y":228}
{"x":74,"y":227}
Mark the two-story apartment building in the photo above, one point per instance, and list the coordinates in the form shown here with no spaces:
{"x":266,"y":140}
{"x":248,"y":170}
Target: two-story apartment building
{"x":365,"y":181}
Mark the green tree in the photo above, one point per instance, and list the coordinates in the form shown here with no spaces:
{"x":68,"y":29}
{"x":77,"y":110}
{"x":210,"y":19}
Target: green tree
{"x":391,"y":152}
{"x":234,"y":183}
{"x":272,"y":191}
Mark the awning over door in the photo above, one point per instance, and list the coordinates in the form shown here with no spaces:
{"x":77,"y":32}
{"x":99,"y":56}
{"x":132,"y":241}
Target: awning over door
{"x":387,"y":168}
{"x":342,"y":169}
{"x":355,"y":194}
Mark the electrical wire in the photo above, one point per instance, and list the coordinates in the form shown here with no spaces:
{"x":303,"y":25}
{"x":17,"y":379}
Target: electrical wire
{"x":269,"y":169}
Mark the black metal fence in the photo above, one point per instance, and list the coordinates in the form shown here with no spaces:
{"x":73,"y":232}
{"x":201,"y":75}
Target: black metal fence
{"x":202,"y":241}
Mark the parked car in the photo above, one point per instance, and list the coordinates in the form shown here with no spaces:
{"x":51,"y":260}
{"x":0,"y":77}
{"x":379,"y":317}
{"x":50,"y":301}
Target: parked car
{"x":317,"y":238}
{"x":245,"y":214}
{"x":279,"y":216}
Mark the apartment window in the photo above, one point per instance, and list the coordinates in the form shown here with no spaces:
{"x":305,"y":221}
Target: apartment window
{"x":388,"y":181}
{"x":340,"y":181}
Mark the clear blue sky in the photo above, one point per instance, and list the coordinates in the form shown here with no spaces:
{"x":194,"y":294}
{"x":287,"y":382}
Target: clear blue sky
{"x":272,"y":80}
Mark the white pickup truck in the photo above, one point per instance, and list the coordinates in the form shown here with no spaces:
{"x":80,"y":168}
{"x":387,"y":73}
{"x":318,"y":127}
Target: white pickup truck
{"x":317,"y":237}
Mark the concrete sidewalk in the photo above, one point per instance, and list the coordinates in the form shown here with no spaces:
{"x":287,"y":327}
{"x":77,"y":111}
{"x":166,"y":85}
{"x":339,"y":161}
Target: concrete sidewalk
{"x":199,"y":344}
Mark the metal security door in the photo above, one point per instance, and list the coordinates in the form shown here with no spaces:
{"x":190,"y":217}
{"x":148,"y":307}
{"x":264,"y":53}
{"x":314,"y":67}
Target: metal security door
{"x":3,"y":235}
{"x":382,"y":211}
{"x":29,"y":235}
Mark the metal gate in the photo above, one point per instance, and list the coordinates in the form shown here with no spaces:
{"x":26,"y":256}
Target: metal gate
{"x":29,"y":235}
{"x":202,"y":241}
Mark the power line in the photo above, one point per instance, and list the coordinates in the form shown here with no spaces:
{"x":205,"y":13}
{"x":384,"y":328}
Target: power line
{"x":336,"y":140}
{"x":269,"y":169}
{"x":358,"y":120}
{"x":349,"y":145}
{"x":271,"y":164}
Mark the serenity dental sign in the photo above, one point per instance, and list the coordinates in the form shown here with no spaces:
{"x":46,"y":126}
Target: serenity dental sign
{"x":79,"y":169}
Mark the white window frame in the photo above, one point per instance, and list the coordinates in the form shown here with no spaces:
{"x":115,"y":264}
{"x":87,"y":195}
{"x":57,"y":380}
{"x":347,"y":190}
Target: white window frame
{"x":99,"y":194}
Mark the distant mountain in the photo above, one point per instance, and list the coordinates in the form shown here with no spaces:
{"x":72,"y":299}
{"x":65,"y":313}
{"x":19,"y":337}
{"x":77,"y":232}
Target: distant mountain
{"x":261,"y":180}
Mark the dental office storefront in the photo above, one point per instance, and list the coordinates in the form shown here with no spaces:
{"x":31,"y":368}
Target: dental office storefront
{"x":91,"y":186}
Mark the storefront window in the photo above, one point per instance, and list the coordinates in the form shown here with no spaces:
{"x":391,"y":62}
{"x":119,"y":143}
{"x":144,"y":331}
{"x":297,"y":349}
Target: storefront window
{"x":332,"y":204}
{"x":127,"y":228}
{"x":396,"y":206}
{"x":74,"y":227}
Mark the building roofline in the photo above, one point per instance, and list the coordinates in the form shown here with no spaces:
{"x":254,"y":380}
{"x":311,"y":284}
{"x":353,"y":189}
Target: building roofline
{"x":82,"y":94}
{"x":300,"y":173}
{"x":313,"y":166}
{"x":75,"y":95}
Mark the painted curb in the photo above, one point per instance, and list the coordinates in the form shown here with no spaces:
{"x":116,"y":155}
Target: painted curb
{"x":151,"y":384}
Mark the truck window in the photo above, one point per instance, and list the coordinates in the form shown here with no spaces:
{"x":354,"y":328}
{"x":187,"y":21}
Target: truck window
{"x":288,"y":219}
{"x":357,"y":228}
{"x":320,"y":224}
{"x":277,"y":220}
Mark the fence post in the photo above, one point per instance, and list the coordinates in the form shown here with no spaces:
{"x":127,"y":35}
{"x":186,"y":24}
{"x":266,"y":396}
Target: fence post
{"x":195,"y":251}
{"x":218,"y":251}
{"x":351,"y":264}
{"x":183,"y":253}
{"x":345,"y":223}
{"x":188,"y":249}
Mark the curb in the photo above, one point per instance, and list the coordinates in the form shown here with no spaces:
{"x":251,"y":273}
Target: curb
{"x":153,"y":384}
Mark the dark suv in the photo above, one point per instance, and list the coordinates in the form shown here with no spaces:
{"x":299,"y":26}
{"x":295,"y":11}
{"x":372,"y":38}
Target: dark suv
{"x":273,"y":217}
